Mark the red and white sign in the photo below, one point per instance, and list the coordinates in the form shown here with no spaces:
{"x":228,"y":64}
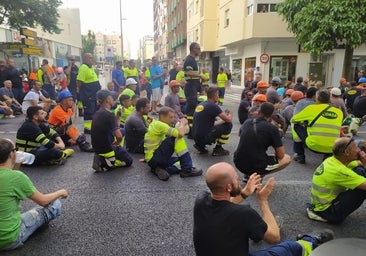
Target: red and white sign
{"x":264,"y":58}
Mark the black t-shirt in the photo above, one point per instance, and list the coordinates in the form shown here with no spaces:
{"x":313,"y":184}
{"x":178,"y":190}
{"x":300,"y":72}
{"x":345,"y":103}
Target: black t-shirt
{"x":243,"y":110}
{"x":136,"y":128}
{"x":104,"y":125}
{"x":204,"y":118}
{"x":359,"y":106}
{"x":223,"y":228}
{"x":15,"y":76}
{"x":250,"y":155}
{"x":193,"y":85}
{"x":173,"y":74}
{"x":350,"y":96}
{"x":72,"y":77}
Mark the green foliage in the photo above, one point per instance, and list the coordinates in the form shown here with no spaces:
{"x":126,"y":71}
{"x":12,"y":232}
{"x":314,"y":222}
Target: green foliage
{"x":319,"y":24}
{"x":30,"y":13}
{"x":88,"y":42}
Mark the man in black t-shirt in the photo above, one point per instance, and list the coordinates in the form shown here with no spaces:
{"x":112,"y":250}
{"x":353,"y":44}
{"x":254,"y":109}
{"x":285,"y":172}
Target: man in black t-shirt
{"x":359,"y":105}
{"x":106,"y":136}
{"x":256,"y":136}
{"x":222,"y":226}
{"x":206,"y":129}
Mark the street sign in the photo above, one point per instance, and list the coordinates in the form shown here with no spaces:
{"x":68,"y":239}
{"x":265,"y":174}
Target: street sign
{"x":28,"y":32}
{"x":12,"y":46}
{"x":264,"y":58}
{"x":31,"y":51}
{"x":29,"y":42}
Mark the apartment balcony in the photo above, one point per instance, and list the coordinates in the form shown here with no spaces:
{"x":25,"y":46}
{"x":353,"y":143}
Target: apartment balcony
{"x":265,"y":25}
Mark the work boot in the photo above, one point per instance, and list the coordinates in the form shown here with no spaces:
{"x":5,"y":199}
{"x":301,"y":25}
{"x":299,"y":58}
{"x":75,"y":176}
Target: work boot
{"x":99,"y":163}
{"x":67,"y":153}
{"x":86,"y":147}
{"x":321,"y":236}
{"x":201,"y":149}
{"x":193,"y":171}
{"x":220,"y":151}
{"x":299,"y":158}
{"x":161,"y":173}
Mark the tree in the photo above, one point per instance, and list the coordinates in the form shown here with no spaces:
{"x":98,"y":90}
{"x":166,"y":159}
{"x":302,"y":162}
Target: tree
{"x":321,"y":25}
{"x":88,"y":42}
{"x":19,"y":13}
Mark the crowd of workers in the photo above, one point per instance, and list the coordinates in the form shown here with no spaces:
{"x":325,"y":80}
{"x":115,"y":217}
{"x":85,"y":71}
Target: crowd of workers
{"x":128,"y":118}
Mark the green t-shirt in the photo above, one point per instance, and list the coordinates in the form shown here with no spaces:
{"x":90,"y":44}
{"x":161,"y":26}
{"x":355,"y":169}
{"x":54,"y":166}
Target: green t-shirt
{"x":14,"y":187}
{"x":330,"y":179}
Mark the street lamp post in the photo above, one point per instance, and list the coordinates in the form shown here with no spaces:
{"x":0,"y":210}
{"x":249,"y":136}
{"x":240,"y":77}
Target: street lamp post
{"x":121,"y":20}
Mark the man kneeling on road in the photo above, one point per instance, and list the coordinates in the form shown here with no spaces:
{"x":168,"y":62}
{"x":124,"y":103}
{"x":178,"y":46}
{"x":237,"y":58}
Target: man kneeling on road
{"x":224,"y":228}
{"x":256,"y":136}
{"x":206,"y":129}
{"x":37,"y":138}
{"x":162,"y":140}
{"x":15,"y":228}
{"x":339,"y":183}
{"x":61,"y":118}
{"x":106,"y":137}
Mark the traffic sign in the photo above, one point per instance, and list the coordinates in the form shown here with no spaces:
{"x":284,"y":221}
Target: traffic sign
{"x":28,"y":32}
{"x":31,"y":51}
{"x":264,"y":58}
{"x":29,"y":42}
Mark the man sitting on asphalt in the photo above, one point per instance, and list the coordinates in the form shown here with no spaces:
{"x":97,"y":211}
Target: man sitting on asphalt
{"x":106,"y":137}
{"x":37,"y":138}
{"x":162,"y":141}
{"x":35,"y":98}
{"x":206,"y":129}
{"x":317,"y":126}
{"x":339,"y":183}
{"x":256,"y":136}
{"x":15,"y":228}
{"x":136,"y":127}
{"x":222,"y":227}
{"x":61,"y":118}
{"x":7,"y":95}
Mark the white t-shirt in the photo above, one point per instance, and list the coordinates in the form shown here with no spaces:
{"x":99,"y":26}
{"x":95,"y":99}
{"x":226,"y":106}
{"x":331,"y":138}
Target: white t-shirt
{"x":31,"y":95}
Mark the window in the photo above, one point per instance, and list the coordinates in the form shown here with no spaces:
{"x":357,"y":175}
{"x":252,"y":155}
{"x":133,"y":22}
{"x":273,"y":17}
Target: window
{"x":227,"y":18}
{"x":264,"y":8}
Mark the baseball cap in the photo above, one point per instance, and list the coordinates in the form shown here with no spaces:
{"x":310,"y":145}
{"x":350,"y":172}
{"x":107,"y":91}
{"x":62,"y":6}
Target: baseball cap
{"x":102,"y":95}
{"x":276,"y":80}
{"x":262,"y":84}
{"x":362,"y":80}
{"x":130,"y":81}
{"x":289,"y":91}
{"x":336,"y":91}
{"x":174,"y":83}
{"x":64,"y":94}
{"x":260,"y":97}
{"x":297,"y":95}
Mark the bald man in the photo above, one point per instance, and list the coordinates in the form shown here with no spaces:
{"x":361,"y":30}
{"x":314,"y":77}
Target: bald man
{"x":222,"y":227}
{"x":339,"y":183}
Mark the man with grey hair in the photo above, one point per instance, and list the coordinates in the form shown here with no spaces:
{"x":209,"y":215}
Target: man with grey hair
{"x":339,"y":183}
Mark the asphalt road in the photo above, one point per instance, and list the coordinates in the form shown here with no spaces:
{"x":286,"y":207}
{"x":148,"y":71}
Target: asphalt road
{"x":130,"y":212}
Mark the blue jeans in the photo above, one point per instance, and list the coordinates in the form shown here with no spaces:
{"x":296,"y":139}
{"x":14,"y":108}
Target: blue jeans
{"x":32,"y":220}
{"x":50,"y":89}
{"x":43,"y":154}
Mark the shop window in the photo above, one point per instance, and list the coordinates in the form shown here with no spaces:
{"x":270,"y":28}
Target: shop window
{"x":284,"y":67}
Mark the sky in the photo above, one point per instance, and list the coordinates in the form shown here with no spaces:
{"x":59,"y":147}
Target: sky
{"x":104,"y":16}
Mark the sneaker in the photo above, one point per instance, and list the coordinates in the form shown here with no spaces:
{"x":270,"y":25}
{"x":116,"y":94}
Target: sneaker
{"x":321,"y":236}
{"x":161,"y":173}
{"x":300,"y":159}
{"x":10,"y":116}
{"x":67,"y":153}
{"x":191,"y":172}
{"x":201,"y":150}
{"x":98,"y":164}
{"x":220,"y":151}
{"x":86,"y":147}
{"x":60,"y":161}
{"x":313,"y":216}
